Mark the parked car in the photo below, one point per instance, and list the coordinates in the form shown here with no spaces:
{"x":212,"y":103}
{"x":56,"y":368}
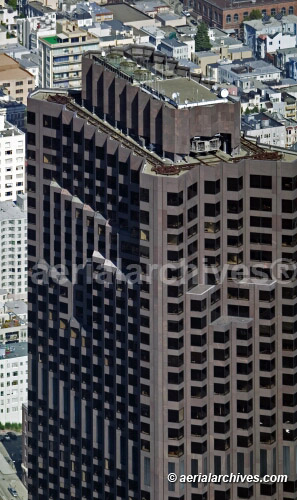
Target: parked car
{"x":13,"y":492}
{"x":12,"y":435}
{"x":193,"y":22}
{"x":185,"y":13}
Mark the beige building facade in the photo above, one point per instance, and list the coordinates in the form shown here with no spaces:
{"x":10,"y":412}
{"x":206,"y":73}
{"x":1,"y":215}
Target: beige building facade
{"x":17,"y":81}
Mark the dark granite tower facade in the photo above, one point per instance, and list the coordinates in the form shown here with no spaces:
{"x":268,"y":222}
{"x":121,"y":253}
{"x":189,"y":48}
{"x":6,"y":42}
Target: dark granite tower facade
{"x":189,"y":364}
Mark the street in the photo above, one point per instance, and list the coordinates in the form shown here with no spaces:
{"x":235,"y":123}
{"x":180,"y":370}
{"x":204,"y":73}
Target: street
{"x":9,"y":478}
{"x":14,"y":450}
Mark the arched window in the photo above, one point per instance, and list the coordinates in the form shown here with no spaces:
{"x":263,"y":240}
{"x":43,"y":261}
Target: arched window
{"x":264,"y":12}
{"x":283,"y":11}
{"x":273,"y":12}
{"x":245,"y":15}
{"x":235,"y":18}
{"x":291,"y":10}
{"x":228,"y":18}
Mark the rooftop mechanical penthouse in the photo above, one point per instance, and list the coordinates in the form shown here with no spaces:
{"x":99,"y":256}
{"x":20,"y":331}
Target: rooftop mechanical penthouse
{"x":153,"y":99}
{"x":189,"y":368}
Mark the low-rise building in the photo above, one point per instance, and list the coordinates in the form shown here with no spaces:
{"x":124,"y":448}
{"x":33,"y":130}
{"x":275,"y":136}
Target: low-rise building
{"x":252,"y":101}
{"x":13,"y":247}
{"x":12,"y":163}
{"x":13,"y":320}
{"x":269,"y":44}
{"x":60,"y":56}
{"x":130,"y":16}
{"x":81,"y":16}
{"x":17,"y":81}
{"x":282,"y":56}
{"x":223,"y":54}
{"x":13,"y":381}
{"x":115,"y":39}
{"x":278,"y":31}
{"x":266,"y":129}
{"x":14,"y":50}
{"x":190,"y":42}
{"x":290,"y":109}
{"x":156,"y":34}
{"x":245,"y":73}
{"x":205,"y":58}
{"x":291,"y":68}
{"x":291,"y":129}
{"x":171,"y":19}
{"x":173,"y":48}
{"x":100,"y":13}
{"x":152,"y":7}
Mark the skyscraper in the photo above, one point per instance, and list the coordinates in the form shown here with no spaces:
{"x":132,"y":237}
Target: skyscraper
{"x":161,"y":323}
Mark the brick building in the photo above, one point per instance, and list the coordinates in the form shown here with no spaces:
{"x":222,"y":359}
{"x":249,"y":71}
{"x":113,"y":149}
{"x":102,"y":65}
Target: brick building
{"x":227,"y":14}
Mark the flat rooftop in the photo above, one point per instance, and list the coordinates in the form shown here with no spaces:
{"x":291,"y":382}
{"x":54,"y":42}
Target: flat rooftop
{"x":40,"y":7}
{"x":125,"y":13}
{"x":15,"y":350}
{"x":153,"y":163}
{"x":9,"y":130}
{"x":52,"y":40}
{"x":16,"y":306}
{"x":183,"y":91}
{"x":10,"y":103}
{"x":174,"y":91}
{"x":250,"y":122}
{"x":9,"y":210}
{"x":27,"y":63}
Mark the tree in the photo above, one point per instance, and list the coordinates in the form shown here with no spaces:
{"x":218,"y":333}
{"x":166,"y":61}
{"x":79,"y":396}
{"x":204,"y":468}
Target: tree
{"x":202,"y":41}
{"x":12,"y":4}
{"x":255,"y":14}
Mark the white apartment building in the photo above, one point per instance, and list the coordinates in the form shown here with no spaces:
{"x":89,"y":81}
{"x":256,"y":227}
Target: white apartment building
{"x":60,"y":56}
{"x":13,"y":247}
{"x":269,"y":44}
{"x":30,"y":29}
{"x":264,"y":128}
{"x":173,"y":48}
{"x":13,"y":381}
{"x":12,"y":161}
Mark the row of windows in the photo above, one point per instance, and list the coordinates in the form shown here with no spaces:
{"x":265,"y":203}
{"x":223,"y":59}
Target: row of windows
{"x":283,"y":11}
